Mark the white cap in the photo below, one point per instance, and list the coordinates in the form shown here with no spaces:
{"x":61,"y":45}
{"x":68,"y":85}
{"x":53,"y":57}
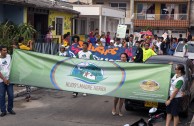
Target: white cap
{"x":112,"y":41}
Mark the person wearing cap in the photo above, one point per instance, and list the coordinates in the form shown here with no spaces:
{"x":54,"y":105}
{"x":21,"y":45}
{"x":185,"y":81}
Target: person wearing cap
{"x":111,"y":44}
{"x":62,"y":51}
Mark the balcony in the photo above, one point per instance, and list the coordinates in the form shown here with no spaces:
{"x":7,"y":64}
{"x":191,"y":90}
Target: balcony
{"x":166,"y":1}
{"x":161,"y":20}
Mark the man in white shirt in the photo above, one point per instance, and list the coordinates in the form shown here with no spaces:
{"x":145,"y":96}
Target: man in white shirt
{"x":5,"y":86}
{"x":84,"y":54}
{"x":118,"y":43}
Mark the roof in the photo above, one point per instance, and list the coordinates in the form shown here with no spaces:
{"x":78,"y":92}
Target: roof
{"x":46,"y":4}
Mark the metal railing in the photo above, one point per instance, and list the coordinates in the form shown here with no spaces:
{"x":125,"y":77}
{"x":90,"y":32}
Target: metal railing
{"x":140,"y":16}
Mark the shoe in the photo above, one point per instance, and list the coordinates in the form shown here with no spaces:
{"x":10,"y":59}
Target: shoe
{"x":84,"y":94}
{"x":120,"y":114}
{"x":3,"y":114}
{"x":74,"y":95}
{"x":12,"y":112}
{"x":28,"y":98}
{"x":113,"y":113}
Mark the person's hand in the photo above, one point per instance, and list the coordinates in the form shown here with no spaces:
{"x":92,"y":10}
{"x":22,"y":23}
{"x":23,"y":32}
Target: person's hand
{"x":183,"y":94}
{"x":167,"y":102}
{"x":6,"y":81}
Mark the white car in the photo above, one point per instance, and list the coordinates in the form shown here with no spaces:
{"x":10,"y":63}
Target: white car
{"x":179,"y":50}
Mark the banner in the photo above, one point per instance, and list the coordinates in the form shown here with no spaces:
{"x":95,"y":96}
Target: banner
{"x":148,"y":82}
{"x":102,"y":53}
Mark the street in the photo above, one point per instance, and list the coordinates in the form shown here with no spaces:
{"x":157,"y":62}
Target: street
{"x":58,"y":108}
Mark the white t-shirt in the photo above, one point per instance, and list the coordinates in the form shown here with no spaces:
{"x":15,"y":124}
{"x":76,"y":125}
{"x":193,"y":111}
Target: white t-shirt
{"x":174,"y":81}
{"x":103,"y":40}
{"x":62,"y":54}
{"x":120,"y":45}
{"x":158,"y":44}
{"x":84,"y":55}
{"x":5,"y":66}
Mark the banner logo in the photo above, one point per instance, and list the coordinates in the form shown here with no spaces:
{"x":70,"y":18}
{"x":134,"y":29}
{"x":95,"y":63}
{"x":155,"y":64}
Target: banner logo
{"x":88,"y":73}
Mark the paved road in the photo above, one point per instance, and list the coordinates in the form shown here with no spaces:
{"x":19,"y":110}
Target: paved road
{"x":58,"y":108}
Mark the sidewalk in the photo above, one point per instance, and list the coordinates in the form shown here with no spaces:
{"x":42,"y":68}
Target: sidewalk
{"x":19,"y":91}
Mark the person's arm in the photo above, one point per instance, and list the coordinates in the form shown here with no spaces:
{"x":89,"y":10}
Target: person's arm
{"x":31,"y":44}
{"x":176,"y":90}
{"x":91,"y":57}
{"x":153,"y":53}
{"x":186,"y":50}
{"x":4,"y":79}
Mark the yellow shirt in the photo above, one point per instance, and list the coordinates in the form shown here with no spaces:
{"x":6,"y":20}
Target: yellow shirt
{"x":147,"y":54}
{"x":24,"y":47}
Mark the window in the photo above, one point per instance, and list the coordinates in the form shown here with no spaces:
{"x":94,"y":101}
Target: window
{"x":122,"y":6}
{"x":59,"y":26}
{"x":83,"y":27}
{"x":182,"y":8}
{"x":100,"y":3}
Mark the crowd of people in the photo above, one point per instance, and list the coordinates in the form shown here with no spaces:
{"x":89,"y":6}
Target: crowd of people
{"x":145,"y":48}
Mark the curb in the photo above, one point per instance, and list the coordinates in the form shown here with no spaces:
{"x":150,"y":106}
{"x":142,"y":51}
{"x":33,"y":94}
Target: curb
{"x":23,"y":91}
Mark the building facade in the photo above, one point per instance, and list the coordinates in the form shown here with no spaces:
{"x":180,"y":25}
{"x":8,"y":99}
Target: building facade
{"x":174,"y":16}
{"x":40,"y":14}
{"x":162,"y":16}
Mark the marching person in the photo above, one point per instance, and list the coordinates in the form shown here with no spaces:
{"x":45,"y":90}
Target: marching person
{"x":124,"y":58}
{"x":139,"y":53}
{"x":27,"y":47}
{"x":185,"y":48}
{"x":5,"y":85}
{"x":147,"y":52}
{"x":173,"y":104}
{"x":83,"y":54}
{"x":62,"y":51}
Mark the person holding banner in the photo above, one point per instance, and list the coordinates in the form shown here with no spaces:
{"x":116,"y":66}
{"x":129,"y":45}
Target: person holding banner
{"x":28,"y":47}
{"x":173,"y":104}
{"x":5,"y":85}
{"x":124,"y":58}
{"x":83,"y":54}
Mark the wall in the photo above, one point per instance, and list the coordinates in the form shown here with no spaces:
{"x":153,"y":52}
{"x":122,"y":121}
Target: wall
{"x":66,"y":20}
{"x":14,"y":13}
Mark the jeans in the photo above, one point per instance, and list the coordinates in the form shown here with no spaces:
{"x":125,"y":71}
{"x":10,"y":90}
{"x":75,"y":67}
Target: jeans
{"x":28,"y":91}
{"x":3,"y":89}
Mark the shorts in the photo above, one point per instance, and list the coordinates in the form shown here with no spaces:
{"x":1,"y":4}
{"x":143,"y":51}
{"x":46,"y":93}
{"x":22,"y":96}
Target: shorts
{"x":174,"y":107}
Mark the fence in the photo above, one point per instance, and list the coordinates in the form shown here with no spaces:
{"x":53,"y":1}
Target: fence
{"x":141,"y":16}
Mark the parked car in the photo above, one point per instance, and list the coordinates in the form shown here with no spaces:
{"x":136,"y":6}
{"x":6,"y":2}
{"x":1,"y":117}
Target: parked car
{"x":188,"y":88}
{"x":179,"y":50}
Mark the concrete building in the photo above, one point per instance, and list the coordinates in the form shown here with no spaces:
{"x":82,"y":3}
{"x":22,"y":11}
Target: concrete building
{"x":162,"y":15}
{"x":97,"y":16}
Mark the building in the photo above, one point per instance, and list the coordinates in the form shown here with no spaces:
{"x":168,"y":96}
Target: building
{"x":113,"y":13}
{"x":92,"y":17}
{"x":192,"y":17}
{"x":162,"y":16}
{"x":173,"y":16}
{"x":41,"y":14}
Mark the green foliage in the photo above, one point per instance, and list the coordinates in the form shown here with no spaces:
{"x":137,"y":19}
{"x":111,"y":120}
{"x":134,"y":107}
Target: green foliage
{"x":10,"y":33}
